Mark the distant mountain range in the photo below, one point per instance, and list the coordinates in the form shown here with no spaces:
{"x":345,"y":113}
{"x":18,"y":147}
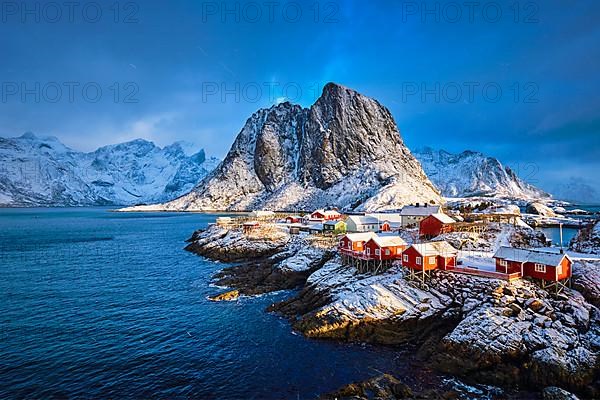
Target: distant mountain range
{"x":576,"y":190}
{"x":344,"y":151}
{"x":474,"y":174}
{"x":44,"y":172}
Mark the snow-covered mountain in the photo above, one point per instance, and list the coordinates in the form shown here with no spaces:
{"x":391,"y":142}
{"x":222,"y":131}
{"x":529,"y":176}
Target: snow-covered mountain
{"x":345,"y":150}
{"x":473,"y":174}
{"x":576,"y":190}
{"x":44,"y":172}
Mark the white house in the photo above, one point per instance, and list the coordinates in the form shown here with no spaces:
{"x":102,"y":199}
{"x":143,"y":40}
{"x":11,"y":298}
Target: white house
{"x":362,"y":223}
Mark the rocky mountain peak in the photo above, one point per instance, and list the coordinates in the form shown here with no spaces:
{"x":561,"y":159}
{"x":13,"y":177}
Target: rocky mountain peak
{"x":345,"y":150}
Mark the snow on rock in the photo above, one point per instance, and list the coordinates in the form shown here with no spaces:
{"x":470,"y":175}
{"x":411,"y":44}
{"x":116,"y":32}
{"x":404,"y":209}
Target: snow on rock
{"x":586,"y":279}
{"x":490,"y":329}
{"x":473,"y":174}
{"x":587,"y":240}
{"x":224,"y":244}
{"x":44,"y":172}
{"x":343,"y":151}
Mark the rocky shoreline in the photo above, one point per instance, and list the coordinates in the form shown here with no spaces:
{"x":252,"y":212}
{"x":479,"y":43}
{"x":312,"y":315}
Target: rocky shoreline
{"x":481,"y":330}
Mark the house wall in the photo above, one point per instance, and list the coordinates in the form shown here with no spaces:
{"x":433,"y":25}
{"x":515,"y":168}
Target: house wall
{"x":430,"y":226}
{"x":444,"y":262}
{"x":395,"y":251}
{"x":511,"y":268}
{"x":529,"y":269}
{"x":354,"y":246}
{"x":412,"y":260}
{"x":412,"y":219}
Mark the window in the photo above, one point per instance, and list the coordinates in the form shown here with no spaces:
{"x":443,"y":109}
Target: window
{"x":387,"y":252}
{"x":419,"y":261}
{"x":431,"y":260}
{"x":503,"y":263}
{"x":368,"y":251}
{"x":540,"y":268}
{"x":559,"y":269}
{"x":405,"y":258}
{"x":377,"y":252}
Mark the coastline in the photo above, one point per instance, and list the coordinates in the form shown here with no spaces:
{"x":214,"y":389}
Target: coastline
{"x":334,"y":302}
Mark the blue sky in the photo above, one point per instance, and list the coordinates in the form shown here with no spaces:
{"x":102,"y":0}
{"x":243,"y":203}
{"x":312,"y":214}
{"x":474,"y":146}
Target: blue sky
{"x":518,"y":83}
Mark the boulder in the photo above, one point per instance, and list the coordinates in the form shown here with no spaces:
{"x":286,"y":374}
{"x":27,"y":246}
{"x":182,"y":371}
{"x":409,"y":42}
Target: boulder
{"x":226,"y":296}
{"x":540,"y":209}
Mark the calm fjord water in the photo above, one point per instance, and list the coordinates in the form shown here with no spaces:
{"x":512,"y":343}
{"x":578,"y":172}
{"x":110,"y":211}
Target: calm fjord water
{"x":97,"y":304}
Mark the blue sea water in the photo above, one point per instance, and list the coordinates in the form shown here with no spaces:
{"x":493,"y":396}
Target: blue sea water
{"x":96,"y":304}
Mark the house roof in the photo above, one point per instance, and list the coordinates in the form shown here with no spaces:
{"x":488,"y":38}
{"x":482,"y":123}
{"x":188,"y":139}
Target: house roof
{"x":361,"y":237}
{"x":326,"y":212}
{"x":388,"y":241}
{"x":526,"y":255}
{"x":363,"y":220}
{"x":443,"y":218}
{"x":390,"y":217}
{"x":419,"y":211}
{"x":261,"y":213}
{"x":441,"y":248}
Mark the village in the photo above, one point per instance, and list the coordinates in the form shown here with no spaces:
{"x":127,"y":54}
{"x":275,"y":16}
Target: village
{"x":413,"y":239}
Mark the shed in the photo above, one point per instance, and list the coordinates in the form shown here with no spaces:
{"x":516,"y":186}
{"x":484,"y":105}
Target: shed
{"x":429,"y":256}
{"x":436,"y":224}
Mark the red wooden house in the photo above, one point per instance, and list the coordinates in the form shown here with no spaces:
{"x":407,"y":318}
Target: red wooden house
{"x":385,"y":247}
{"x":435,"y":224}
{"x":542,"y":265}
{"x":293,"y":219}
{"x":355,"y":242}
{"x":325,"y":215}
{"x":429,"y":256}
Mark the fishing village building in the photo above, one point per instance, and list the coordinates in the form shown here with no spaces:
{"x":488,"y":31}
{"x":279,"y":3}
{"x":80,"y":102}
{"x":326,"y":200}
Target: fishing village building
{"x":435,"y":224}
{"x":325,"y":215}
{"x":362,"y":223}
{"x":552,"y":269}
{"x":412,"y":215}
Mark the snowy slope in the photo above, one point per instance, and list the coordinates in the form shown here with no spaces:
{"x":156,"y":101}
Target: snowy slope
{"x":345,"y":151}
{"x":44,"y":172}
{"x":473,"y":174}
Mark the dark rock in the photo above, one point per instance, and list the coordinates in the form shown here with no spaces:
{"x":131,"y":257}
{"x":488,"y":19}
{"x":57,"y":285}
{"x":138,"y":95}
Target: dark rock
{"x":556,"y":393}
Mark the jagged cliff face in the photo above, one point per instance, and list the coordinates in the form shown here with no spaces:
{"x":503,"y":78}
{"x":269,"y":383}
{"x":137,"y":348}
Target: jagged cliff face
{"x":474,"y":174}
{"x":344,"y":151}
{"x":44,"y":172}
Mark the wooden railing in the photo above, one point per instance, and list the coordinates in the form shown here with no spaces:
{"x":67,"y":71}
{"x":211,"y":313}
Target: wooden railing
{"x":485,"y":274}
